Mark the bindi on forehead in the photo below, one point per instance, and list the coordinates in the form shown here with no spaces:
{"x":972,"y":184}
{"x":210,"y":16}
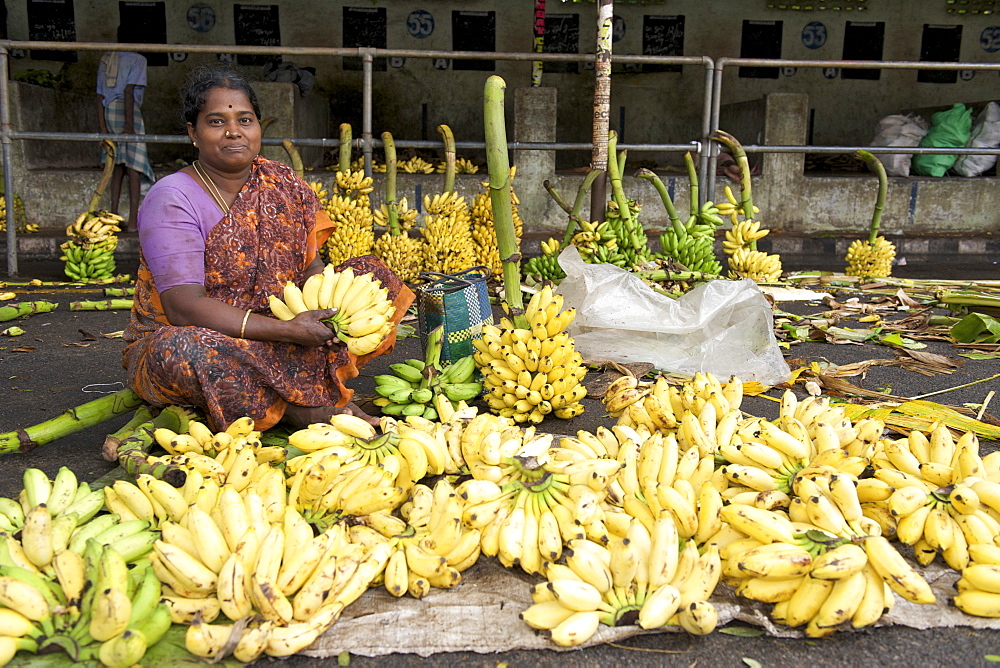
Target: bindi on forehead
{"x":230,"y":106}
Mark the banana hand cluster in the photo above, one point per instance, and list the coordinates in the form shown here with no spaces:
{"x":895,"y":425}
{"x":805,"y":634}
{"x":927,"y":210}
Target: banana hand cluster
{"x":936,"y":494}
{"x":529,"y":373}
{"x":349,"y":206}
{"x":413,"y":387}
{"x":870,"y":260}
{"x":733,"y":208}
{"x":67,"y":583}
{"x":289,"y":584}
{"x":643,"y":577}
{"x":431,"y":545}
{"x":89,"y":253}
{"x":692,"y":243}
{"x":19,"y":216}
{"x":484,"y":232}
{"x":448,"y":243}
{"x":979,"y":586}
{"x":364,"y":310}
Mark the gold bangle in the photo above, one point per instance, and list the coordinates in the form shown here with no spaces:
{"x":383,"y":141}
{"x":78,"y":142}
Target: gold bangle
{"x":243,"y":327}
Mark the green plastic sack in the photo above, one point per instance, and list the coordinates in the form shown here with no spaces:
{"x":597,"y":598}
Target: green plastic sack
{"x":949,"y":129}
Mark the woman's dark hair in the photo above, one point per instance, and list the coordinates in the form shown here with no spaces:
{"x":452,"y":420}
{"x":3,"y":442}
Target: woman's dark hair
{"x":205,"y":78}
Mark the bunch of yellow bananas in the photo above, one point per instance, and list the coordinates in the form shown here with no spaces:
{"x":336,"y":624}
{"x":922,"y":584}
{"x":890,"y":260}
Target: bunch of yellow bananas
{"x":529,"y":373}
{"x":349,"y":206}
{"x":358,"y":165}
{"x":364,"y":310}
{"x":979,"y":586}
{"x":462,"y":166}
{"x":431,"y":546}
{"x":76,"y":581}
{"x":19,"y":215}
{"x":870,"y":260}
{"x":484,"y":232}
{"x":644,"y":575}
{"x":415,"y":165}
{"x":448,"y":243}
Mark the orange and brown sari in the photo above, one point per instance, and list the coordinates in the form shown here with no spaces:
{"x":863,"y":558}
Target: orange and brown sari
{"x":270,"y":236}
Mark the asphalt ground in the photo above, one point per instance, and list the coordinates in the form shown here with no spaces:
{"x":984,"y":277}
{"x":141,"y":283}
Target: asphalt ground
{"x":66,"y":358}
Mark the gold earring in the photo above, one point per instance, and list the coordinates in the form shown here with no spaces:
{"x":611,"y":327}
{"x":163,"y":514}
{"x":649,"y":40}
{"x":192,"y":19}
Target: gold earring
{"x":194,"y":143}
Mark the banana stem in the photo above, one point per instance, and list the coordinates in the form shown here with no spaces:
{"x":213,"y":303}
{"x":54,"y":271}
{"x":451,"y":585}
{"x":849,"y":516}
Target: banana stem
{"x":70,"y":421}
{"x":119,"y":292}
{"x":499,"y":185}
{"x":449,"y":157}
{"x":390,"y":182}
{"x":615,"y":175}
{"x":663,"y":275}
{"x":293,"y":155}
{"x":112,"y":441}
{"x":661,"y":189}
{"x":101,"y":305}
{"x":132,"y":457}
{"x":345,"y":148}
{"x":692,"y":183}
{"x":962,"y":298}
{"x":109,"y":168}
{"x":12,"y":311}
{"x":883,"y":188}
{"x":736,"y":148}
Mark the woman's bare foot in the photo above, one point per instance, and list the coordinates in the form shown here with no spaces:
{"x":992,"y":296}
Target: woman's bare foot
{"x":303,"y":416}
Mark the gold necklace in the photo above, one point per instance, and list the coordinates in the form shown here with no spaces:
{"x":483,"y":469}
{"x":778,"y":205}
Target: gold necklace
{"x":209,"y":184}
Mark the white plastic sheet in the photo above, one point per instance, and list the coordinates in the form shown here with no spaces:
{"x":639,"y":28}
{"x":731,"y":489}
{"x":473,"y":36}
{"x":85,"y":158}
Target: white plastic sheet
{"x":722,"y":327}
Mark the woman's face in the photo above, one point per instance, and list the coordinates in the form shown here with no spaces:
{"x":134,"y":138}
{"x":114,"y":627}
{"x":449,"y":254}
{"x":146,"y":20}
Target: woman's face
{"x":227,"y":131}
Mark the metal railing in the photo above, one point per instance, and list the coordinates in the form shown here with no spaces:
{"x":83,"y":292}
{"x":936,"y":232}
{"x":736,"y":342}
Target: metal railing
{"x":366,"y":142}
{"x":722,"y":63}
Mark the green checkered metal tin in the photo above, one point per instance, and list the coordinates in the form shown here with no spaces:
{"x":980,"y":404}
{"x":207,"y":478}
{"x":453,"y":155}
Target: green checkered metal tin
{"x":460,"y":302}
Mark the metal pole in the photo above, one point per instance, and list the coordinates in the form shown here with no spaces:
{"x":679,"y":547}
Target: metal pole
{"x":706,"y":129}
{"x":8,"y":176}
{"x":710,"y":146}
{"x":366,"y":107}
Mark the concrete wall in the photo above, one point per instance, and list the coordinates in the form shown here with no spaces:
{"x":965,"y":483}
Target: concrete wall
{"x":412,"y":98}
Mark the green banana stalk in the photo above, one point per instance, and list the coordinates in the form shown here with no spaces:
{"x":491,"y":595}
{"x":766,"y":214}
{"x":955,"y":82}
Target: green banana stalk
{"x":391,"y":205}
{"x":101,"y":305}
{"x":12,"y":311}
{"x":499,"y":185}
{"x":449,"y":157}
{"x":71,"y":421}
{"x":883,"y":189}
{"x":294,"y":157}
{"x":344,"y":164}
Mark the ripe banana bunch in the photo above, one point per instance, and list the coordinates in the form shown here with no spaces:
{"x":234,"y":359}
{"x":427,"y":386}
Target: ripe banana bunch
{"x":743,"y":234}
{"x":644,"y":577}
{"x":92,"y":226}
{"x":780,"y":560}
{"x":732,"y":207}
{"x":484,"y":233}
{"x":358,"y":165}
{"x":197,"y":438}
{"x":979,"y":586}
{"x":401,"y":253}
{"x":870,"y":259}
{"x":413,"y":390}
{"x":463,"y":166}
{"x":297,"y":582}
{"x":19,"y":216}
{"x":364,"y":311}
{"x":431,"y":546}
{"x":755,"y":265}
{"x":349,"y":206}
{"x":939,"y":508}
{"x":406,"y":217}
{"x":415,"y":165}
{"x":447,"y":233}
{"x":529,"y":373}
{"x":661,"y":406}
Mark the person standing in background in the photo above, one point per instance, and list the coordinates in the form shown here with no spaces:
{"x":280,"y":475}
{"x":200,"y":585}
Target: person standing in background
{"x":121,"y":81}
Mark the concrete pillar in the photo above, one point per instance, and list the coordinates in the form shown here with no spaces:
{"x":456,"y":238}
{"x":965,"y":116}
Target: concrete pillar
{"x":534,"y":121}
{"x":786,"y":120}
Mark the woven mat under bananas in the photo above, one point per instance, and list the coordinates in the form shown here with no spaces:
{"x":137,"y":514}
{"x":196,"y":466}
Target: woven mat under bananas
{"x":491,"y":597}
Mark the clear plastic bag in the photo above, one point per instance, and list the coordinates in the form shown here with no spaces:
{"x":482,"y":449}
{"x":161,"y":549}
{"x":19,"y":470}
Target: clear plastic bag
{"x":722,"y":327}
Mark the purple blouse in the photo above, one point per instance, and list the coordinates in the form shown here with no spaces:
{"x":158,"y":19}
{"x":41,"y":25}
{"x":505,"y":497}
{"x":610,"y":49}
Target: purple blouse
{"x":173,"y":222}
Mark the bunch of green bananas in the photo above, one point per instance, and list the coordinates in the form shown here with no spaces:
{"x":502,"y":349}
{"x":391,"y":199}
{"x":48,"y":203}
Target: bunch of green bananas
{"x":67,"y":583}
{"x":630,"y":238}
{"x":21,"y":223}
{"x":410,"y":389}
{"x":90,"y":252}
{"x":544,"y":267}
{"x":692,"y":243}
